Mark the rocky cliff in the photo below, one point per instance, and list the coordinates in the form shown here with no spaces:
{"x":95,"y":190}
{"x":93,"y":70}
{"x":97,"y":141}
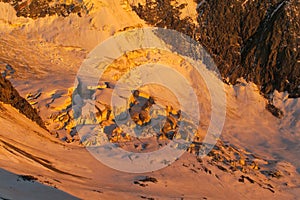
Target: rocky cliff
{"x":43,"y":8}
{"x":257,"y":40}
{"x":9,"y":95}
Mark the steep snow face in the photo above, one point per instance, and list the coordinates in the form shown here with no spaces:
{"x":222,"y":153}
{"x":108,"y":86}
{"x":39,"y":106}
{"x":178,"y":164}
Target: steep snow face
{"x":250,"y":125}
{"x":291,"y":109}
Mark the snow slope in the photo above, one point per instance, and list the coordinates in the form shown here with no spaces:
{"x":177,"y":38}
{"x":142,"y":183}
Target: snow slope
{"x":46,"y":54}
{"x":22,"y":187}
{"x":27,"y":149}
{"x":250,"y":125}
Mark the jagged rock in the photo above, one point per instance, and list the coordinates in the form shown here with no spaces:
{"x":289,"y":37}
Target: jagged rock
{"x":274,"y":110}
{"x":9,"y":95}
{"x":42,"y":8}
{"x":256,"y":40}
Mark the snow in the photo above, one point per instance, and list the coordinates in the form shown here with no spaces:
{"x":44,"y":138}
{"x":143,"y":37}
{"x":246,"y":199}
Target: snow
{"x":83,"y":176}
{"x":250,"y":125}
{"x":46,"y":54}
{"x":15,"y":187}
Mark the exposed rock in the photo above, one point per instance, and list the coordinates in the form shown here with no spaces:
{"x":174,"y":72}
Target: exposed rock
{"x":256,"y":40}
{"x":9,"y":95}
{"x":27,"y":178}
{"x":274,"y":110}
{"x":42,"y":8}
{"x":242,"y":179}
{"x":148,"y":179}
{"x":149,"y":198}
{"x":143,"y":180}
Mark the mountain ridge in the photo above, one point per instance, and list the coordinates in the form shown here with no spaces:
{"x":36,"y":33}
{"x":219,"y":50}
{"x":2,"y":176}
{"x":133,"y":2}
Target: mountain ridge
{"x":256,"y":40}
{"x":9,"y":95}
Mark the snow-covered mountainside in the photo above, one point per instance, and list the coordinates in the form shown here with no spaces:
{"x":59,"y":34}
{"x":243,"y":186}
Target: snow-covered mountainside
{"x":42,"y":46}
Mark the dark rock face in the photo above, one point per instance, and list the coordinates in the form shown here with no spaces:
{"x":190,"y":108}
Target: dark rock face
{"x":43,"y":8}
{"x":257,"y":40}
{"x":274,"y":110}
{"x":9,"y":95}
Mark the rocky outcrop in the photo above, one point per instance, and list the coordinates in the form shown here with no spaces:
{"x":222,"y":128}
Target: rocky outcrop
{"x":256,"y":40}
{"x":275,"y":111}
{"x":9,"y":95}
{"x":43,"y":8}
